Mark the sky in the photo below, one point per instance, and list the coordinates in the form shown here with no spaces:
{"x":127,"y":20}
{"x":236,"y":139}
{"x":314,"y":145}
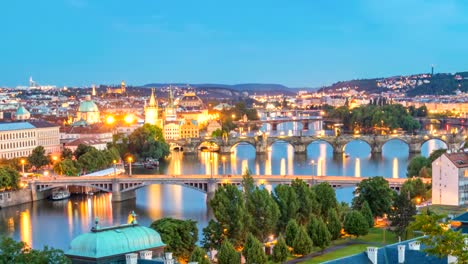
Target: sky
{"x":298,"y":43}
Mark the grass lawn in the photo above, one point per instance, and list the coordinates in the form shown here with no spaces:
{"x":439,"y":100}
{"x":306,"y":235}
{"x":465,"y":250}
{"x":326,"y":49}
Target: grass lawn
{"x":447,"y":209}
{"x":347,"y":251}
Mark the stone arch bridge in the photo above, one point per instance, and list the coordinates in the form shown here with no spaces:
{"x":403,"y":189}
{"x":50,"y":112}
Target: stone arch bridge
{"x":262,"y":143}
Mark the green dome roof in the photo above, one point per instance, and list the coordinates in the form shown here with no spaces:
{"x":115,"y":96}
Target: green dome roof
{"x":88,"y":106}
{"x":21,"y":111}
{"x":115,"y":241}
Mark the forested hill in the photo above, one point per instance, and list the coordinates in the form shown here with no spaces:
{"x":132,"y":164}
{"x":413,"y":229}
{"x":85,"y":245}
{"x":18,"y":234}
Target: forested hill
{"x":412,"y":85}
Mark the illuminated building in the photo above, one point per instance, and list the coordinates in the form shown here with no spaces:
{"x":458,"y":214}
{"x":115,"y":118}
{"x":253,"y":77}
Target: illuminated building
{"x":170,"y":112}
{"x":151,"y":111}
{"x":22,"y":114}
{"x":171,"y":130}
{"x":450,"y":179}
{"x":213,"y":126}
{"x":120,"y":90}
{"x":88,"y":112}
{"x":18,"y":139}
{"x":189,"y":129}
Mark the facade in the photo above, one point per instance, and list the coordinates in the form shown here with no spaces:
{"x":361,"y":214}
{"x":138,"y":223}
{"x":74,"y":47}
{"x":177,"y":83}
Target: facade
{"x":170,"y":112}
{"x":189,"y":129}
{"x":98,"y":144}
{"x":213,"y":126}
{"x":190,"y":101}
{"x":151,"y":111}
{"x":117,"y":244}
{"x":171,"y":130}
{"x":18,"y":139}
{"x":88,"y":111}
{"x":450,"y":179}
{"x":120,"y":90}
{"x":22,"y":113}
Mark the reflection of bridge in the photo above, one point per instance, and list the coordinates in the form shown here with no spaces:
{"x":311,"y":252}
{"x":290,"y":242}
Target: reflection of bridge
{"x":263,"y":143}
{"x":123,"y":187}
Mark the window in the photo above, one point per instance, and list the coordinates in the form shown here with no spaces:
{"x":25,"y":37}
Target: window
{"x":465,"y":173}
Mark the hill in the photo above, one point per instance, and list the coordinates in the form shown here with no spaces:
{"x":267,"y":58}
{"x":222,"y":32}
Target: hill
{"x":250,"y":88}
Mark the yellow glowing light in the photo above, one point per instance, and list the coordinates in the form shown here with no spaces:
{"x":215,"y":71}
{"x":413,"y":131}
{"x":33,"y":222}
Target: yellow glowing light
{"x":130,"y":159}
{"x":54,"y":158}
{"x":129,"y":119}
{"x":110,"y":120}
{"x":23,"y":161}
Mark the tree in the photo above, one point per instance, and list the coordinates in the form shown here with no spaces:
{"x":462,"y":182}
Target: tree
{"x":199,"y":255}
{"x":416,"y":164}
{"x":264,"y":213}
{"x":291,"y":232}
{"x":147,"y":141}
{"x":416,"y":188}
{"x":302,"y":244}
{"x":67,"y":167}
{"x":38,"y":157}
{"x":82,"y":149}
{"x":227,"y":254}
{"x":213,"y":235}
{"x":355,"y":224}
{"x":376,"y":192}
{"x":326,"y":198}
{"x":253,"y":251}
{"x":321,"y":237}
{"x":367,"y":213}
{"x":436,"y":154}
{"x":306,"y":199}
{"x":229,"y":208}
{"x":180,"y":236}
{"x":334,"y":224}
{"x":66,"y":154}
{"x":19,"y":252}
{"x":248,"y":183}
{"x":280,"y":251}
{"x":437,"y":240}
{"x":288,"y":204}
{"x":9,"y":178}
{"x":402,"y":213}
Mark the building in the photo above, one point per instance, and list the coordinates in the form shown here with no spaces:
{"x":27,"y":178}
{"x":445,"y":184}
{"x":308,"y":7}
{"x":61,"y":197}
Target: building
{"x":450,"y":179}
{"x":117,"y":244}
{"x":170,"y":112}
{"x":98,"y":144}
{"x":118,"y":90}
{"x":152,"y":111}
{"x":171,"y":130}
{"x":22,"y":114}
{"x":18,"y":139}
{"x":190,"y":101}
{"x":213,"y":126}
{"x":189,"y":129}
{"x":88,"y":111}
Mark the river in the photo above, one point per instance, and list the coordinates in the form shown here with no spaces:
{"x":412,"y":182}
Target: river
{"x":56,"y":223}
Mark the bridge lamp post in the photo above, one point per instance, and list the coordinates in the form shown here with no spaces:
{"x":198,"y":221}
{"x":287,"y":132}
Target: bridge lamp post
{"x":23,"y":161}
{"x":115,"y":168}
{"x":313,"y":170}
{"x":130,"y":159}
{"x":224,"y":165}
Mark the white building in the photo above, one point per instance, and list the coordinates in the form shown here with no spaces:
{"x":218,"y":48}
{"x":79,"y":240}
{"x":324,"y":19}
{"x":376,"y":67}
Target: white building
{"x":171,"y":130}
{"x":450,"y":179}
{"x":18,"y":139}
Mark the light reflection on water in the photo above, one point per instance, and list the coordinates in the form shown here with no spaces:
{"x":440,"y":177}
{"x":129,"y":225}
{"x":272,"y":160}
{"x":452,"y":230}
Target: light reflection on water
{"x":56,"y":223}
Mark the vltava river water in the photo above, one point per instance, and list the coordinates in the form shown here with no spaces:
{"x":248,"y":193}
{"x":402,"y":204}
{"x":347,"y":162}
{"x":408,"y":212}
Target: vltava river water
{"x":57,"y":223}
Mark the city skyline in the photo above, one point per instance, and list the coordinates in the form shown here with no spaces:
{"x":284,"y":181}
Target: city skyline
{"x":300,"y":44}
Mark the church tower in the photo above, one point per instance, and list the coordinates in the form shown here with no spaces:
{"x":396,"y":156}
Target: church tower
{"x":122,"y":87}
{"x":170,"y":112}
{"x":151,"y":111}
{"x":94,"y":91}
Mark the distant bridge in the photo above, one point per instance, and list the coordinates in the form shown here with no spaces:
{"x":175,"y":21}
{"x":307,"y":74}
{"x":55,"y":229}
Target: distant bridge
{"x":123,"y":187}
{"x":262,"y":143}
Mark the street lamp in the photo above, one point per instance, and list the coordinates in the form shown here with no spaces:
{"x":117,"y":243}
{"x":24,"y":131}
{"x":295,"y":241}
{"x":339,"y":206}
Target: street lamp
{"x":115,"y":169}
{"x":130,"y":159}
{"x":224,"y":165}
{"x":22,"y":165}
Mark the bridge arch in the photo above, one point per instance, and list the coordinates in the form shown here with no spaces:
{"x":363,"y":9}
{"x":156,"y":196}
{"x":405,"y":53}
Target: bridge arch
{"x":242,"y":142}
{"x":280,"y":140}
{"x":208,"y":146}
{"x":437,"y":140}
{"x":356,"y":140}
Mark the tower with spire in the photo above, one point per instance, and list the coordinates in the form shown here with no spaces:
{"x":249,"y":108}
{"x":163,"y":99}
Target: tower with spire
{"x":170,"y":112}
{"x":151,"y":111}
{"x":93,"y":93}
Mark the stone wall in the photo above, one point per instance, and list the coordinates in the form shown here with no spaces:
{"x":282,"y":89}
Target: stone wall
{"x":10,"y":198}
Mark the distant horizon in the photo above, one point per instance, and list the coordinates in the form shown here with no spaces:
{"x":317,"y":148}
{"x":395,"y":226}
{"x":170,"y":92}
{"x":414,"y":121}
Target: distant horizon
{"x":297,"y":43}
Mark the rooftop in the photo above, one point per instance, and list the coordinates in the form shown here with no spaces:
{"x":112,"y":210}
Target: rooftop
{"x":459,"y":159}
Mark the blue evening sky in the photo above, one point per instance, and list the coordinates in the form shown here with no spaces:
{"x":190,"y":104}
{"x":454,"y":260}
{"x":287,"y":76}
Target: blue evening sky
{"x":295,"y":42}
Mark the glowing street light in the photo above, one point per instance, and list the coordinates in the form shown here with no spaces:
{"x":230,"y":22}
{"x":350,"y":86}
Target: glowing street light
{"x":23,"y":161}
{"x":115,"y":169}
{"x":129,"y":119}
{"x":130,"y":159}
{"x":110,"y":120}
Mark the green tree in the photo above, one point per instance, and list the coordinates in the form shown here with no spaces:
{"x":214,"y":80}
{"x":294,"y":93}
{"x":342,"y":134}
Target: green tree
{"x":356,"y":224}
{"x":82,"y":149}
{"x":334,"y":224}
{"x":280,"y":251}
{"x":326,"y":198}
{"x":416,"y":164}
{"x":199,"y":255}
{"x":248,"y":183}
{"x":213,"y":235}
{"x":9,"y":178}
{"x":148,"y":142}
{"x":302,"y":244}
{"x":264,"y":213}
{"x":321,"y":237}
{"x":19,"y":252}
{"x":292,"y":228}
{"x":435,"y":154}
{"x":38,"y":157}
{"x":66,"y":154}
{"x":376,"y":192}
{"x":402,"y":214}
{"x":227,"y":254}
{"x":437,"y":240}
{"x":253,"y":251}
{"x":217,"y":133}
{"x":180,"y":236}
{"x":229,"y":208}
{"x":416,"y":188}
{"x":67,"y":167}
{"x":367,"y":213}
{"x":288,"y":204}
{"x":307,"y":201}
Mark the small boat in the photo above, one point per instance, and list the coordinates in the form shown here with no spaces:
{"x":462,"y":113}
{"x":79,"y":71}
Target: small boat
{"x":60,"y":195}
{"x":346,"y":155}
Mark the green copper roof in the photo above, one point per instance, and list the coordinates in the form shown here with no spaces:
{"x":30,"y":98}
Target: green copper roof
{"x":114,"y":241}
{"x":88,"y":106}
{"x":21,"y":111}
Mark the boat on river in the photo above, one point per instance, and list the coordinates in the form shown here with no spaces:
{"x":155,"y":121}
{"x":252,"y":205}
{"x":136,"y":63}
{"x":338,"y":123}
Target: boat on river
{"x":60,"y":195}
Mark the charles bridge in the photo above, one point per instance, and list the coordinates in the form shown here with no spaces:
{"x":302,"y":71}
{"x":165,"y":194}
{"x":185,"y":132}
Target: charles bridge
{"x":262,"y":143}
{"x":123,"y":187}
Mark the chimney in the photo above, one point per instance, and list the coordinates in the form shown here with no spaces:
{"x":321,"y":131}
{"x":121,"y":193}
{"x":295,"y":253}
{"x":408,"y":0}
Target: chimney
{"x":146,"y":254}
{"x":372,"y":254}
{"x":401,"y":253}
{"x":414,"y":245}
{"x":131,"y":258}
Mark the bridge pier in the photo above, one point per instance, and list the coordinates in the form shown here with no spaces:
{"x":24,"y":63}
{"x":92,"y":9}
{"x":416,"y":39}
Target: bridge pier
{"x":300,"y":148}
{"x":225,"y":149}
{"x":415,"y":147}
{"x":119,"y":196}
{"x":211,"y":190}
{"x":305,"y":125}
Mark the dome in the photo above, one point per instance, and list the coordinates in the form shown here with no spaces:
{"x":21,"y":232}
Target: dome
{"x":114,"y":241}
{"x":88,"y":106}
{"x":21,"y":111}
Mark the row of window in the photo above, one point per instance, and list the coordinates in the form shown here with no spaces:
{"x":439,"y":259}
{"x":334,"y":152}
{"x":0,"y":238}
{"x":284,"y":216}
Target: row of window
{"x":16,"y":154}
{"x":48,"y":142}
{"x":17,"y":135}
{"x":20,"y":144}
